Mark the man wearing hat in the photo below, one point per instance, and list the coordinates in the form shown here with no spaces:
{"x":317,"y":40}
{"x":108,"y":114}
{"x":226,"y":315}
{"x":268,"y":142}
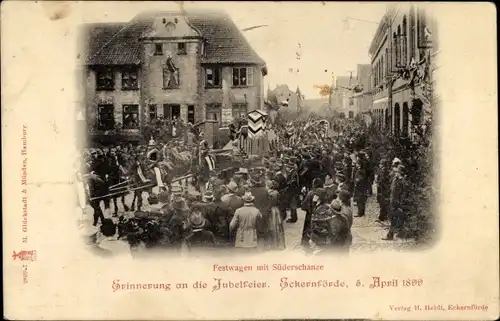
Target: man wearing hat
{"x":222,"y":216}
{"x":293,"y":189}
{"x":178,"y":220}
{"x":361,"y":185}
{"x":341,"y":183}
{"x":207,"y":165}
{"x":231,"y":198}
{"x":199,"y":237}
{"x":247,"y":221}
{"x":396,"y":202}
{"x":330,"y":188}
{"x":348,"y":171}
{"x":280,"y":177}
{"x":383,"y":188}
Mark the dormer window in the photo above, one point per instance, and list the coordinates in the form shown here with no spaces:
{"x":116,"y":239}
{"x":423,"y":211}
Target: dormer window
{"x":158,"y":49}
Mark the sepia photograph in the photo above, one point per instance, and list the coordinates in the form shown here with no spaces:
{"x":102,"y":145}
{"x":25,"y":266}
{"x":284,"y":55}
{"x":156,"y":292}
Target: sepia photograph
{"x":197,"y":137}
{"x":190,"y":160}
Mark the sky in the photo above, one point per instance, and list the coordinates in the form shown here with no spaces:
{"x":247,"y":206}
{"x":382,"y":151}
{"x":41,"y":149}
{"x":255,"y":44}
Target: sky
{"x":328,"y":44}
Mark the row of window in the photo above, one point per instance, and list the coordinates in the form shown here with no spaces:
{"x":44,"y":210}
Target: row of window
{"x":181,"y":49}
{"x":383,"y":119}
{"x":412,"y":32}
{"x":404,"y":44}
{"x":379,"y":71}
{"x":242,"y":77}
{"x":130,"y":116}
{"x":400,"y":41}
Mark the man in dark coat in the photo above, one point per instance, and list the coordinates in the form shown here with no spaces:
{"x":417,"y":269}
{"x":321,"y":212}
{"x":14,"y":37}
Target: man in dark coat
{"x":114,"y":177}
{"x":396,"y":203}
{"x":199,"y":236}
{"x":348,"y":172}
{"x":222,"y":217}
{"x":326,"y":164}
{"x":308,"y":207}
{"x":232,"y":200}
{"x":259,"y":191}
{"x":207,"y":165}
{"x":100,"y":167}
{"x":360,"y":185}
{"x":293,"y":190}
{"x":383,"y":188}
{"x":281,"y":179}
{"x":97,"y":188}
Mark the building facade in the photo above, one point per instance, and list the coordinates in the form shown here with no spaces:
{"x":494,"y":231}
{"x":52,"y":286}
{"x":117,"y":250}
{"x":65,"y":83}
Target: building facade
{"x":343,"y":100}
{"x":403,"y":53}
{"x":169,"y":65}
{"x":362,"y":90}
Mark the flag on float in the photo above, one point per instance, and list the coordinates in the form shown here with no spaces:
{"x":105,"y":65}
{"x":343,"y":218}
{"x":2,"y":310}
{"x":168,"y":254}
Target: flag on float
{"x":256,"y":123}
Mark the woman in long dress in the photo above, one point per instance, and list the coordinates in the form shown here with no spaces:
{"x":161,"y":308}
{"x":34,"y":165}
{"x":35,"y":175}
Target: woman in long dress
{"x":276,"y":231}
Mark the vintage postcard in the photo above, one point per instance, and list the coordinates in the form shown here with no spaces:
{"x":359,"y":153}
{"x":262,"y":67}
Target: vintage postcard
{"x":249,"y":160}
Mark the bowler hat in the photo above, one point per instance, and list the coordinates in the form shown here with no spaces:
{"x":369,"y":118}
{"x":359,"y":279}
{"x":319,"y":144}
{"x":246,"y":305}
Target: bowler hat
{"x":248,"y":197}
{"x":197,"y":221}
{"x":232,"y":187}
{"x":208,"y":196}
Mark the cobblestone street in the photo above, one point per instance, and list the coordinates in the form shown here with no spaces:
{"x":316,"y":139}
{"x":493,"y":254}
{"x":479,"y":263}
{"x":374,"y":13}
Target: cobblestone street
{"x":367,"y":233}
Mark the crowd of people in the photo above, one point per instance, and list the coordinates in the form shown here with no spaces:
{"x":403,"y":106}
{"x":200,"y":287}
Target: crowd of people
{"x":325,"y":171}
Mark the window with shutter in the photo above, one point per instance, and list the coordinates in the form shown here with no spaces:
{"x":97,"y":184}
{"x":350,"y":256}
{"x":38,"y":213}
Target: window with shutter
{"x":240,"y":77}
{"x":213,"y":77}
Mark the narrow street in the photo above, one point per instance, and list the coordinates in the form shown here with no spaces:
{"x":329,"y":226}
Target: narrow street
{"x":367,"y":233}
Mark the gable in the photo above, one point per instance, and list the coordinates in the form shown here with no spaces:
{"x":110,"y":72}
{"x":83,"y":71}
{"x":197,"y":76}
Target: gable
{"x":224,"y":42}
{"x":171,"y":26}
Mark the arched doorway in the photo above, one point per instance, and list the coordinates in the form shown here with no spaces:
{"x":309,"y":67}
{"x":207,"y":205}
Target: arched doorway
{"x":406,"y":120}
{"x":416,"y":112}
{"x":397,"y":120}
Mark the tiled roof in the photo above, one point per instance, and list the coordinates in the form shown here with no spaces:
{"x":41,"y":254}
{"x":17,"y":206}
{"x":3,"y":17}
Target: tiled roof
{"x":224,"y":41}
{"x":96,"y":35}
